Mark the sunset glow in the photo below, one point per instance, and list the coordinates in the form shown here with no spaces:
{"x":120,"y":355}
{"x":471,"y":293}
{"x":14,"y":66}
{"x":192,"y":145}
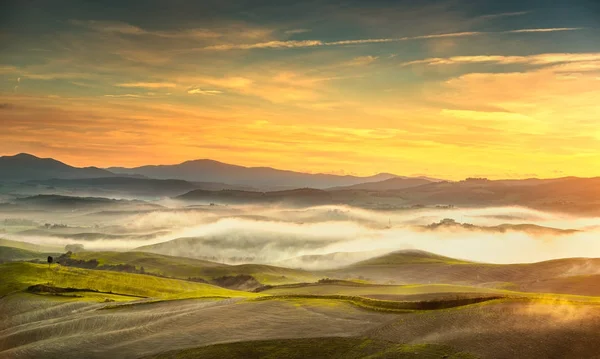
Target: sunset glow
{"x":447,"y":89}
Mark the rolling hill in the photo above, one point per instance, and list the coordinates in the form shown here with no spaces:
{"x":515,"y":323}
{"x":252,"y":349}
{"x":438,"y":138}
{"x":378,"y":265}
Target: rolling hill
{"x":569,"y":194}
{"x":301,"y":196}
{"x":10,"y":254}
{"x":450,"y":224}
{"x":24,"y":167}
{"x":133,"y":186}
{"x":18,"y":276}
{"x":388,"y":184}
{"x":70,"y":203}
{"x":184,"y":268}
{"x":259,"y":177}
{"x":114,"y":314}
{"x":418,"y":267}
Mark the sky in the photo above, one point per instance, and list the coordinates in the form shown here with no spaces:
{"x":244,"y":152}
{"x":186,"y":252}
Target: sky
{"x":449,"y":89}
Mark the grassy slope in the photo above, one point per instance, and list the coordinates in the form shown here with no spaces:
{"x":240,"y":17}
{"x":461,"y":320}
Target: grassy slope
{"x":410,"y":257}
{"x":366,"y":289}
{"x":180,"y":267}
{"x":28,"y":246}
{"x":14,"y":254}
{"x":579,"y":285}
{"x":346,"y":348}
{"x":414,"y":267}
{"x":511,"y":328}
{"x":419,"y":292}
{"x":403,"y":267}
{"x":18,"y":276}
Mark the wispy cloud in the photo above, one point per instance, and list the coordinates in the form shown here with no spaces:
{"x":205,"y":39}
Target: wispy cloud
{"x":56,"y":75}
{"x":361,"y":61}
{"x":150,"y":85}
{"x":7,"y":69}
{"x":540,"y":59}
{"x":504,"y":14}
{"x":128,"y":95}
{"x":197,"y":91}
{"x":555,"y":29}
{"x":296,"y":31}
{"x":266,"y":45}
{"x":128,"y":29}
{"x":316,"y":43}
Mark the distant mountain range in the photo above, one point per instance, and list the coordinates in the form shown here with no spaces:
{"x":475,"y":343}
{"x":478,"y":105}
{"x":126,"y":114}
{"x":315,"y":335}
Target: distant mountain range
{"x":212,"y":174}
{"x":24,"y":167}
{"x":207,"y":180}
{"x":259,"y":177}
{"x":389,"y":184}
{"x":133,"y":186}
{"x":305,"y":196}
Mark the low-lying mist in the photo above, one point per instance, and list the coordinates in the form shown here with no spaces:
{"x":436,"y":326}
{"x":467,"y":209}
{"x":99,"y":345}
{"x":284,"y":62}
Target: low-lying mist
{"x":325,"y":236}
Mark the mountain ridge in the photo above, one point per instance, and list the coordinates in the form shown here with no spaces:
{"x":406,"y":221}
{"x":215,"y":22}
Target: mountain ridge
{"x":24,"y":166}
{"x":262,"y":177}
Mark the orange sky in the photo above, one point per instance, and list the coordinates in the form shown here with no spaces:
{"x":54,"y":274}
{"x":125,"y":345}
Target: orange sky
{"x":498,"y":93}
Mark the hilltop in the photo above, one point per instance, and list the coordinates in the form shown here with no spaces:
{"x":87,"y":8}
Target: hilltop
{"x":23,"y":167}
{"x":259,"y":177}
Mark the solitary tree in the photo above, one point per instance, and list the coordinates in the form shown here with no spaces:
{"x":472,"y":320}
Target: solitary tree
{"x":50,"y":260}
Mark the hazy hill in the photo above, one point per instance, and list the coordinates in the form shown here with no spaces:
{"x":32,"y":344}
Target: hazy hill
{"x":388,"y":184}
{"x":307,"y":196}
{"x":412,"y":266}
{"x":24,"y":167}
{"x":409,"y":256}
{"x":569,"y":194}
{"x":135,"y":186}
{"x":9,"y":254}
{"x":260,"y":177}
{"x":184,"y":268}
{"x":57,"y":202}
{"x":450,"y":224}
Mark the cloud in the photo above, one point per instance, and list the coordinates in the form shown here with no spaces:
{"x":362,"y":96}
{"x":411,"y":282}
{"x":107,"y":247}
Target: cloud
{"x":540,"y":59}
{"x":127,"y":29}
{"x":504,"y":14}
{"x":361,"y":61}
{"x":7,"y":69}
{"x":150,"y":85}
{"x":316,"y":43}
{"x":266,"y":45}
{"x":296,"y":31}
{"x":233,"y":82}
{"x":197,"y":91}
{"x":128,"y":95}
{"x":555,"y":29}
{"x":56,"y":75}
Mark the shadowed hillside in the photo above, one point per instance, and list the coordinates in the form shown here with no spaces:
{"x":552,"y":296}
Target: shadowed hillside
{"x":388,"y":184}
{"x":23,"y":167}
{"x":131,"y":186}
{"x":259,"y":177}
{"x":411,"y":267}
{"x":301,"y":196}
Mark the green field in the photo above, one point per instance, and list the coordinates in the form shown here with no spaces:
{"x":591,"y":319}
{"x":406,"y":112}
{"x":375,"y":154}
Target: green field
{"x":18,"y":276}
{"x":410,"y":257}
{"x":28,"y":246}
{"x":159,"y":317}
{"x":361,"y":289}
{"x":17,"y":254}
{"x":179,"y":267}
